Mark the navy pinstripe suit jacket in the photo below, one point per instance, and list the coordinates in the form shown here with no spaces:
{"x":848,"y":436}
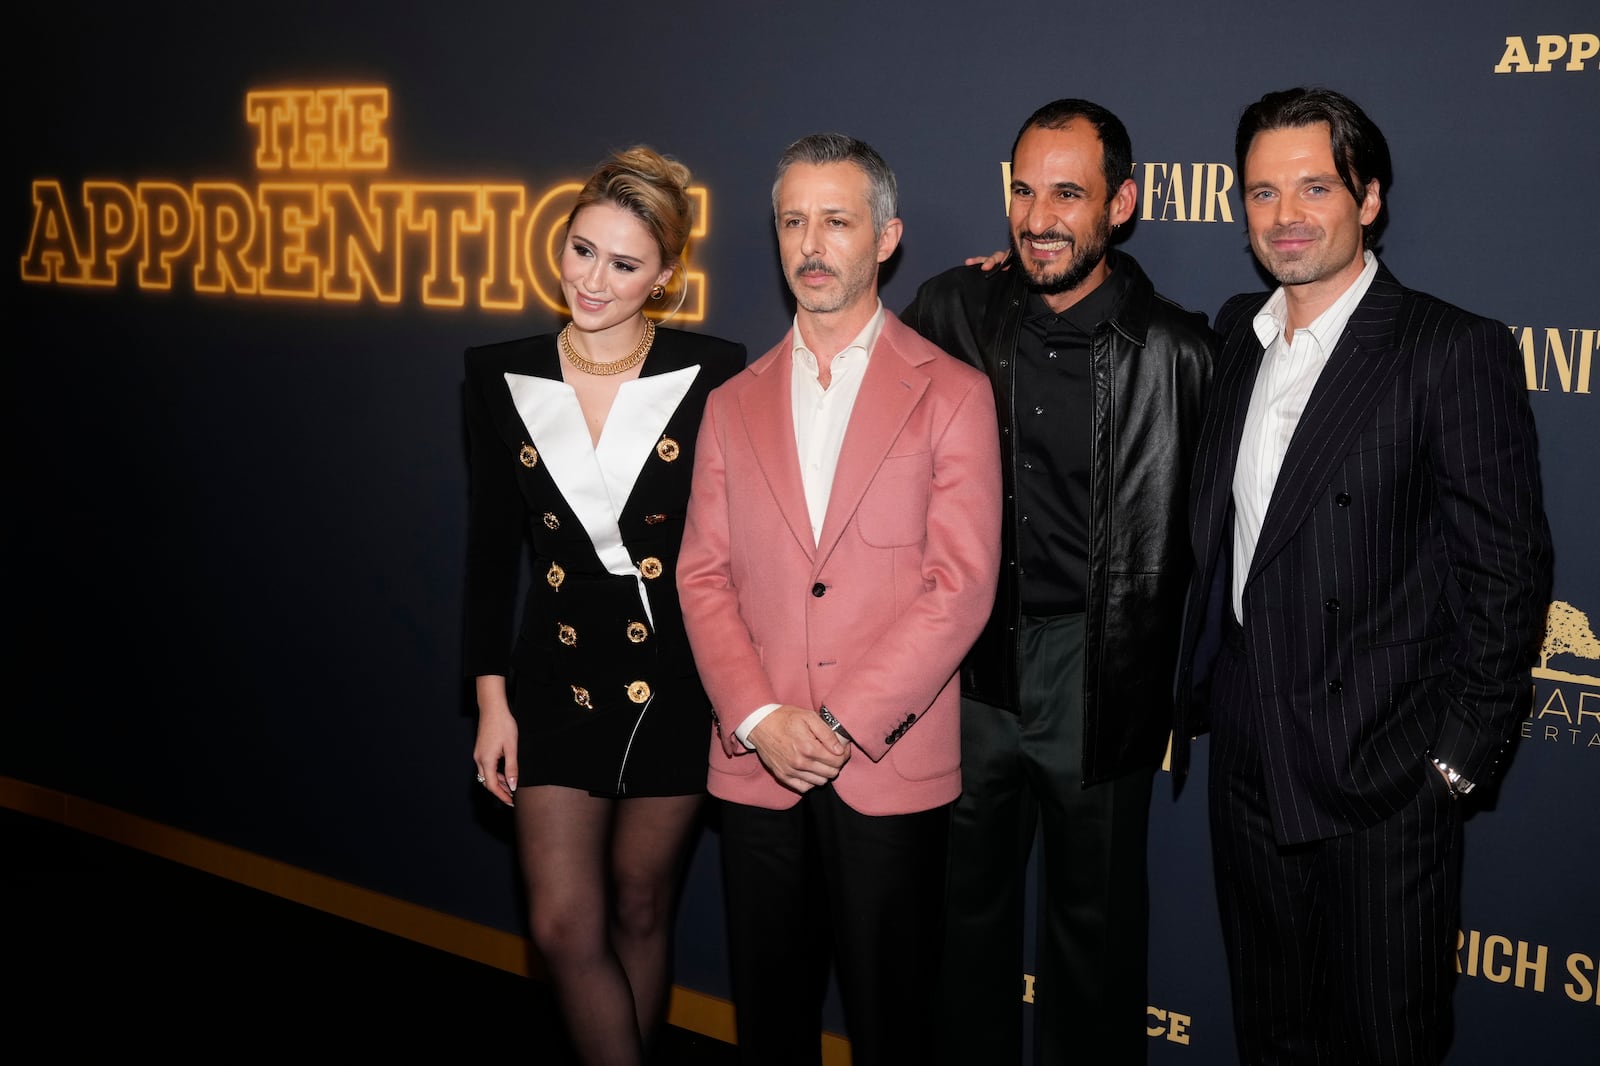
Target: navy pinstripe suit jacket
{"x":1396,"y":600}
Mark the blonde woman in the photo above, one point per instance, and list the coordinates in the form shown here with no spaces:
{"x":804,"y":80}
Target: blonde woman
{"x":592,"y":723}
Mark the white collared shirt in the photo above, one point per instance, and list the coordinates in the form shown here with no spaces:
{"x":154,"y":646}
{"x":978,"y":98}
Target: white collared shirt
{"x":821,"y":416}
{"x":1289,"y":371}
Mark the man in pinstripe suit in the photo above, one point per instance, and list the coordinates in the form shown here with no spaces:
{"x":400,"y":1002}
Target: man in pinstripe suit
{"x":1371,"y":542}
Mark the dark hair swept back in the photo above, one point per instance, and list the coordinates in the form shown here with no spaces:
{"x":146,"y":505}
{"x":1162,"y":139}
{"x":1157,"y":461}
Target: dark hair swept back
{"x":1116,"y":161}
{"x":1360,"y":152}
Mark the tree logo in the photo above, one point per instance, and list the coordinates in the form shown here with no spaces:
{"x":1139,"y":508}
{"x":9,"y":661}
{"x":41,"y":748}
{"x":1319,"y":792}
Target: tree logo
{"x":1567,"y":632}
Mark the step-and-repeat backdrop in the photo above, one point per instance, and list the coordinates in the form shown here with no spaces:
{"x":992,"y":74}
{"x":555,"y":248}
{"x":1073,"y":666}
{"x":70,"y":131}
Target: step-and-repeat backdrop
{"x":251,"y":241}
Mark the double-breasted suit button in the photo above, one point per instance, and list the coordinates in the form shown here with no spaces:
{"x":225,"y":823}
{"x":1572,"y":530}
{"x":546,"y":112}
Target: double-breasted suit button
{"x":528,"y":456}
{"x":654,"y":519}
{"x":551,"y":521}
{"x":1335,"y":686}
{"x":638,"y":691}
{"x":555,"y":575}
{"x":1332,"y":605}
{"x":567,"y":635}
{"x":637,"y":632}
{"x":667,"y":449}
{"x":818,"y":589}
{"x":650,"y":567}
{"x":1343,"y":499}
{"x":580,"y":696}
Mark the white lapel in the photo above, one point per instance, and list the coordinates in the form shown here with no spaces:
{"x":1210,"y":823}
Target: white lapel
{"x":596,"y":480}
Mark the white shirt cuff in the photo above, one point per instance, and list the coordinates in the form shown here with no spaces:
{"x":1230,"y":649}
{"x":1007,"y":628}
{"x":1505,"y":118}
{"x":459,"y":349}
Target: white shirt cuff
{"x":754,"y":719}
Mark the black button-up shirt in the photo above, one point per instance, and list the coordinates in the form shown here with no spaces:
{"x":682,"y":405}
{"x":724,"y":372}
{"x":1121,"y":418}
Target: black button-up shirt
{"x":1053,"y":429}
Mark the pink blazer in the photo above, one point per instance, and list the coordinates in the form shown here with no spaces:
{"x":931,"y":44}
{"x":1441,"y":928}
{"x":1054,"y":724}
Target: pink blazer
{"x":874,"y":620}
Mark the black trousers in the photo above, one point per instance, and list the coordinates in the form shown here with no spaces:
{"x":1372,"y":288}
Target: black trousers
{"x":1339,"y":950}
{"x":821,"y":883}
{"x":1022,"y":772}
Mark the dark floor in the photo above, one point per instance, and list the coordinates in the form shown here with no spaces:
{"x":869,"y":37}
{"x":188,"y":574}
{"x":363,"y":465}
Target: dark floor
{"x":107,"y":949}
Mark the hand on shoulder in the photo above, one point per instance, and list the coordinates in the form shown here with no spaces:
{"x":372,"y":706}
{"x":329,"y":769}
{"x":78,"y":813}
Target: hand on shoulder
{"x":989,"y":262}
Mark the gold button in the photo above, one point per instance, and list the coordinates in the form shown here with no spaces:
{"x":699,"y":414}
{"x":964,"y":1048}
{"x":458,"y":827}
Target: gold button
{"x":654,"y":519}
{"x":555,"y":575}
{"x":638,"y":692}
{"x":637,"y":632}
{"x":580,"y":696}
{"x":668,"y":449}
{"x":566,"y":634}
{"x":650,"y":566}
{"x":529,"y":456}
{"x":551,"y":521}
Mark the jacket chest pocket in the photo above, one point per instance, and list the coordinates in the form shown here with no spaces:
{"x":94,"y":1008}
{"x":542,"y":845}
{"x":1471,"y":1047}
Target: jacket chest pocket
{"x":894,"y":511}
{"x":1385,"y":434}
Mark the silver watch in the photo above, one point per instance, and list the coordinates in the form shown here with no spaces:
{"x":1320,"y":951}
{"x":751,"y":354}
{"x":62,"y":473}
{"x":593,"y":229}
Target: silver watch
{"x":1458,"y":784}
{"x":834,"y":724}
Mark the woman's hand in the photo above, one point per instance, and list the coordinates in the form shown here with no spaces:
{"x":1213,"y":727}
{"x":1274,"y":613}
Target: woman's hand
{"x":495,"y":752}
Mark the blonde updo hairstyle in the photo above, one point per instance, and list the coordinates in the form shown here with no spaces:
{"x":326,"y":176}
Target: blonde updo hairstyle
{"x":654,"y":189}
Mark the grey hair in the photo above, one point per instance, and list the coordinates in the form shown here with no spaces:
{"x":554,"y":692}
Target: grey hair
{"x":819,"y":149}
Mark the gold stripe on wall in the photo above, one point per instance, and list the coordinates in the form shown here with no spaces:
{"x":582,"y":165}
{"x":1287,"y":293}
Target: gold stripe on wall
{"x":695,"y":1011}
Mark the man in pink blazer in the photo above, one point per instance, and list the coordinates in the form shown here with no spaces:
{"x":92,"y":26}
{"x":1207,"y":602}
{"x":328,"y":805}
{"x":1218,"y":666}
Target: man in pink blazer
{"x":839,"y":558}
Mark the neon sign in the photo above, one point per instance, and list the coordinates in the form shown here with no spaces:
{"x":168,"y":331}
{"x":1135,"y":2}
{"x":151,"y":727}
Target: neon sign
{"x":318,"y":225}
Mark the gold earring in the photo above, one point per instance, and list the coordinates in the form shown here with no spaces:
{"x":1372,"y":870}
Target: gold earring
{"x":657,"y":292}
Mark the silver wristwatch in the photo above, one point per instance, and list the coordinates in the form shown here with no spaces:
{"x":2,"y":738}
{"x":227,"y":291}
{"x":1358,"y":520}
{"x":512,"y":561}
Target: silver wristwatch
{"x":834,"y":724}
{"x":1458,"y":784}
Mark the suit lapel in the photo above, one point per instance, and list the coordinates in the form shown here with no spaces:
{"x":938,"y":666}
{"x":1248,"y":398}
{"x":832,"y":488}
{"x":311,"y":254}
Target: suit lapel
{"x":767,"y":409}
{"x":890,"y":390}
{"x":1358,"y":373}
{"x":1219,"y":444}
{"x":533,"y":357}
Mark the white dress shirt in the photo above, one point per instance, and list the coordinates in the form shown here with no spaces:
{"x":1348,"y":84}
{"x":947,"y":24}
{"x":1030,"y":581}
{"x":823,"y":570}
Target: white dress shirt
{"x":821,"y":416}
{"x":1289,"y":371}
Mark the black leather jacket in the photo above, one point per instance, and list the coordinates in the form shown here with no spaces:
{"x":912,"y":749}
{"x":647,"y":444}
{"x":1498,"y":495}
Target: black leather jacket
{"x":1152,"y":368}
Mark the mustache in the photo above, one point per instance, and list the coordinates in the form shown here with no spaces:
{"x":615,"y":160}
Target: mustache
{"x":1298,"y":232}
{"x":1048,"y":235}
{"x":814,"y":266}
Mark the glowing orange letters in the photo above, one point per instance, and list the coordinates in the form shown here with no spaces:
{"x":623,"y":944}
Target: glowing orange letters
{"x":319,"y":228}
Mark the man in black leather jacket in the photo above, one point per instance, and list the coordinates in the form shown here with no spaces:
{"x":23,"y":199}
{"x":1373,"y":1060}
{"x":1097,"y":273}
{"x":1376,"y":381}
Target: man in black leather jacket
{"x":1067,"y":696}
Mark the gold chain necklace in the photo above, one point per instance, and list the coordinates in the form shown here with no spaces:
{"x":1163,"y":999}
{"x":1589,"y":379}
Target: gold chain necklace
{"x":627,"y":362}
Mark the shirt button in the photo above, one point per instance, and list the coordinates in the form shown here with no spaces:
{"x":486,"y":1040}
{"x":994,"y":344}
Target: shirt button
{"x":1051,"y":355}
{"x":1038,"y":410}
{"x":1004,"y":362}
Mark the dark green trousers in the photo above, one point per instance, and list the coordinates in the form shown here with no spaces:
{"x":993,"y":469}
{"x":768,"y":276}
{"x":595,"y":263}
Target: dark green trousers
{"x":1022,"y":774}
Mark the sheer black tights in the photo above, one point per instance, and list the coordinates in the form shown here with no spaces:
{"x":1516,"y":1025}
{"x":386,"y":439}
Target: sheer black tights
{"x":601,"y":877}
